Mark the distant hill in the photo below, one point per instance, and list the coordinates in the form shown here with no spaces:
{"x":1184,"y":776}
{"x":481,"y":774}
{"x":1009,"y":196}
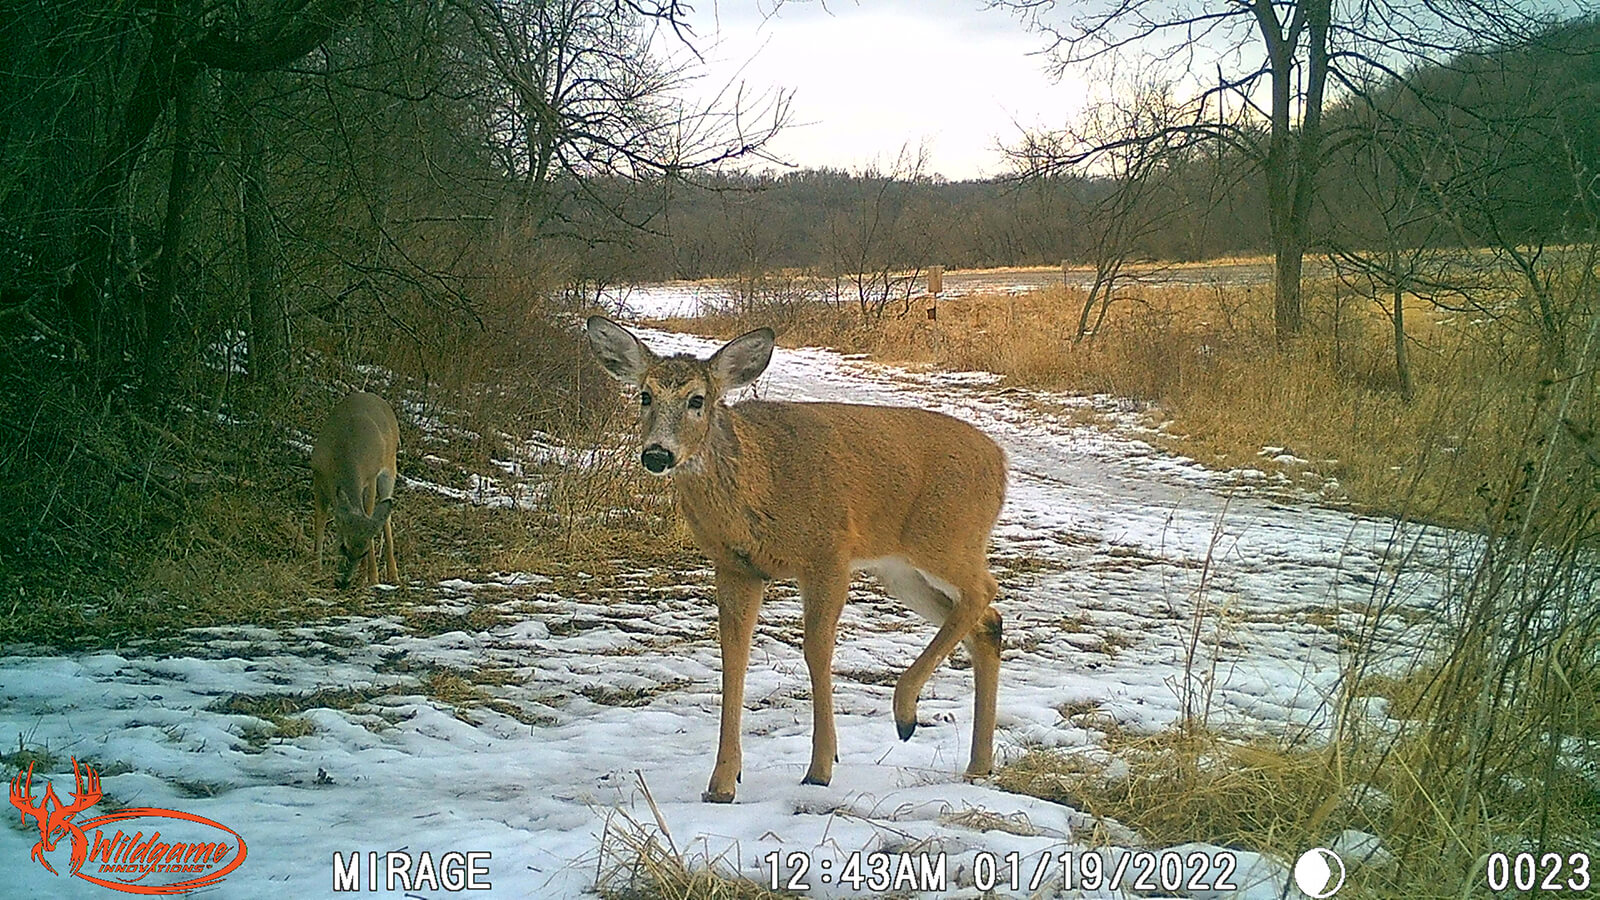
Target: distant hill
{"x":1507,"y":139}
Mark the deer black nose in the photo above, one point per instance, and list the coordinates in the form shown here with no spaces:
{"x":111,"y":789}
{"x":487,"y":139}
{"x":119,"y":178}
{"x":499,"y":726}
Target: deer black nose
{"x":656,"y":458}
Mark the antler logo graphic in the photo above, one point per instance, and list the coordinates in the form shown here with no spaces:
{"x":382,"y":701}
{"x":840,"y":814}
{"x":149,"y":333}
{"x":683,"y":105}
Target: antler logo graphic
{"x":55,"y":817}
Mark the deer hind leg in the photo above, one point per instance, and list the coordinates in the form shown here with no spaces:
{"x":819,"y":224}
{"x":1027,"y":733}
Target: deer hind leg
{"x":984,"y":644}
{"x":963,"y":615}
{"x":385,"y":490}
{"x":388,"y":549}
{"x":823,"y":597}
{"x":738,"y":601}
{"x":369,"y":500}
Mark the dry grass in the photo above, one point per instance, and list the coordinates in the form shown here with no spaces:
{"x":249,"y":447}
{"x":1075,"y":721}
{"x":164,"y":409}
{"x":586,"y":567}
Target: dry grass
{"x":1488,"y":743}
{"x":1188,"y":785}
{"x":283,"y":713}
{"x":642,"y":862}
{"x":124,"y":525}
{"x":1207,"y":359}
{"x":1185,"y":785}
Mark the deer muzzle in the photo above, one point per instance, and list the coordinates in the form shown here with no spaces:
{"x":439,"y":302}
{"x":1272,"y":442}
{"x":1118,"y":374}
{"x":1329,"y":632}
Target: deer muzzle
{"x":657,"y":459}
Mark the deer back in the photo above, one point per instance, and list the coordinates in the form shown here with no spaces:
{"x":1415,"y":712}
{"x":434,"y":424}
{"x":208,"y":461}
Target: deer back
{"x":787,"y":486}
{"x":354,"y":456}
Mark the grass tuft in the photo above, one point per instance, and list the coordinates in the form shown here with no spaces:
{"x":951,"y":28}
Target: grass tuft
{"x":639,"y":862}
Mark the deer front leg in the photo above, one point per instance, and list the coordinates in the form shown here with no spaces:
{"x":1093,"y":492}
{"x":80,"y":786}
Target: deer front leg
{"x":319,"y":524}
{"x":823,"y":598}
{"x":370,"y":565}
{"x":738,"y":601}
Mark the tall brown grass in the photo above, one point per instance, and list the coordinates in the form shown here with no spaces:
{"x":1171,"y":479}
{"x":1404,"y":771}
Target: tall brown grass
{"x":1206,"y":359}
{"x":127,"y":521}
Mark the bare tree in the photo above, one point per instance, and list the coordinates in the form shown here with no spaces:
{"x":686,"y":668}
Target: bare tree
{"x":876,"y":247}
{"x":585,"y":96}
{"x":1522,"y":136}
{"x":1386,"y":251}
{"x":1125,"y":153}
{"x":1282,"y":54}
{"x":122,"y":132}
{"x":1487,"y":152}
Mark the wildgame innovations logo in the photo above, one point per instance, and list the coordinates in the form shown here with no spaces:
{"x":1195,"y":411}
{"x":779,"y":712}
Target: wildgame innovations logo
{"x":150,"y":851}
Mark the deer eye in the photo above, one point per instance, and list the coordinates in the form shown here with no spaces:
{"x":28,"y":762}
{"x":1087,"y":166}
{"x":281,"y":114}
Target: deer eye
{"x":644,"y":399}
{"x":696,"y":401}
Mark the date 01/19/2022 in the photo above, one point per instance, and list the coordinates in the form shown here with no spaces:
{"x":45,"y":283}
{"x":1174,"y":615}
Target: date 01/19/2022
{"x":1087,"y":870}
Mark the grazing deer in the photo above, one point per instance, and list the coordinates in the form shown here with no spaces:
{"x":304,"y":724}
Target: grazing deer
{"x":814,"y":491}
{"x":352,"y":474}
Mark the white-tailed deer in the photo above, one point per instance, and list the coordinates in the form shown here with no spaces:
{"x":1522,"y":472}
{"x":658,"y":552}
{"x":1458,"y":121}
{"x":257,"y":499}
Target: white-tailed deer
{"x":814,"y":491}
{"x":352,"y":475}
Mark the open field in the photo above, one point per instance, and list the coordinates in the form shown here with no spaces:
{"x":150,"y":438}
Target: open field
{"x":688,"y":298}
{"x":1298,"y":558}
{"x":1218,"y":641}
{"x":543,"y":686}
{"x":1202,"y":362}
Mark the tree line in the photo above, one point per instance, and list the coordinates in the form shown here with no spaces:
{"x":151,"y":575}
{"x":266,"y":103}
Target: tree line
{"x":302,"y":170}
{"x":1498,"y":140}
{"x":174,"y":172}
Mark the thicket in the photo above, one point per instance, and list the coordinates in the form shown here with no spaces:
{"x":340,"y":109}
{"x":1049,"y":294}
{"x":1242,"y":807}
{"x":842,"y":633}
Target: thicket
{"x":216,"y":219}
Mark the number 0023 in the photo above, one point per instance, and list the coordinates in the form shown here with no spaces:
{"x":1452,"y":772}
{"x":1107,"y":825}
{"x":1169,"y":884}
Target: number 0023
{"x":1547,"y":872}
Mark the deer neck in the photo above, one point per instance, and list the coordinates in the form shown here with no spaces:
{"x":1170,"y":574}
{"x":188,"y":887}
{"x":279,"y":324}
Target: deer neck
{"x":350,"y":494}
{"x":715,"y":489}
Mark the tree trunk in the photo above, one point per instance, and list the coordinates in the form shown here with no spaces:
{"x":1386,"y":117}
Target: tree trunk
{"x":1287,"y":265}
{"x":269,"y":322}
{"x":1293,"y":157}
{"x":1402,"y":360}
{"x":159,"y":303}
{"x":100,"y":321}
{"x":1279,"y":172}
{"x":1088,"y":307}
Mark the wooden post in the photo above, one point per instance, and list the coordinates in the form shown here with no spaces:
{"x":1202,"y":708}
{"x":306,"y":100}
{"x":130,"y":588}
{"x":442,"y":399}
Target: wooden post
{"x":935,"y":285}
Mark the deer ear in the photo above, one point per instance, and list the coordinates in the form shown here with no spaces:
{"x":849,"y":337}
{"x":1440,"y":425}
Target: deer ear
{"x":622,"y":354}
{"x":743,"y":359}
{"x":380,"y":512}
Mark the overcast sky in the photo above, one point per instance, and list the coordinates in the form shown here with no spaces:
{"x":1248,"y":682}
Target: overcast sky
{"x":873,"y":76}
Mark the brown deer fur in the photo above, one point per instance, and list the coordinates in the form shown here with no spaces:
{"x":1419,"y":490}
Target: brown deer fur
{"x":814,"y":491}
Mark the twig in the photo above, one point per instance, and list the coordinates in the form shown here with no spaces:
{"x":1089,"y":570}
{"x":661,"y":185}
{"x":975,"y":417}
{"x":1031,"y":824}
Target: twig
{"x":656,"y":811}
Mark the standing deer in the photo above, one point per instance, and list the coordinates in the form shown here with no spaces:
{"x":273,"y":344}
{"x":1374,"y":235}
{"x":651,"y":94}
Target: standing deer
{"x":352,"y":474}
{"x":814,"y":491}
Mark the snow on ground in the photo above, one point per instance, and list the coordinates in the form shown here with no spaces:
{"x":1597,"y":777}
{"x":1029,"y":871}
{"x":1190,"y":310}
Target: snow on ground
{"x":594,"y":692}
{"x":692,"y":298}
{"x":670,"y":299}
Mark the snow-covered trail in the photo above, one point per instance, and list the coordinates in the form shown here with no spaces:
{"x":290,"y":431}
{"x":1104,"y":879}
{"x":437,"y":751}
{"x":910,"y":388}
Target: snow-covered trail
{"x":1101,"y":552}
